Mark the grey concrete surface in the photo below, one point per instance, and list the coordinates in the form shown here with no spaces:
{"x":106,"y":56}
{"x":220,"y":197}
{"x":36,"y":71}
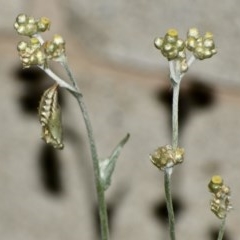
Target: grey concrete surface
{"x":110,"y":49}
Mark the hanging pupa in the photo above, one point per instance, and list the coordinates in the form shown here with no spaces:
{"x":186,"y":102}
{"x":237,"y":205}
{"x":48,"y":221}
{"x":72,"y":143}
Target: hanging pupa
{"x":50,"y":118}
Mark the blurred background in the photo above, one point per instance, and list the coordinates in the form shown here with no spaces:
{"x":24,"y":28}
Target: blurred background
{"x":49,"y":194}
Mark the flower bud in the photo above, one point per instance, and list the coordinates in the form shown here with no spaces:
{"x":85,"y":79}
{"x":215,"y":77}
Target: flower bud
{"x":166,"y":157}
{"x":43,"y":24}
{"x":220,"y":204}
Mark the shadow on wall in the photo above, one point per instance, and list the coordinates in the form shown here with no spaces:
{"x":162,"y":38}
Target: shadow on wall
{"x":194,"y":96}
{"x":34,"y":82}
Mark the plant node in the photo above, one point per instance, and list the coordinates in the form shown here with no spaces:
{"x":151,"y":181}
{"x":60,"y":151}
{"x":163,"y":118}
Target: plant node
{"x":166,"y":157}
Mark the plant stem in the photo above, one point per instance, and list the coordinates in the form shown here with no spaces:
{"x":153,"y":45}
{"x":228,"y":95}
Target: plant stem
{"x":168,"y":195}
{"x":175,"y":76}
{"x":176,"y":88}
{"x":58,"y":80}
{"x":168,"y":171}
{"x":99,"y":188}
{"x":175,"y":79}
{"x":222,"y":229}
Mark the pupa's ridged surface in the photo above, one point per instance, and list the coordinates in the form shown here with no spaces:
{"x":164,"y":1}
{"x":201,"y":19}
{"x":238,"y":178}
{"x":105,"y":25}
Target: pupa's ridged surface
{"x":50,"y":118}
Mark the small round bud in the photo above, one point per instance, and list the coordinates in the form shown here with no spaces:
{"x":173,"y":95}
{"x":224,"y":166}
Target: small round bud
{"x":179,"y":154}
{"x":21,"y":18}
{"x":34,"y":42}
{"x":20,"y":29}
{"x":193,"y":32}
{"x":172,"y":33}
{"x":25,"y":62}
{"x":43,"y":24}
{"x":215,"y":183}
{"x":184,"y":66}
{"x":49,"y":47}
{"x":58,"y":40}
{"x":199,"y":53}
{"x":217,"y":208}
{"x":180,"y":45}
{"x":170,"y":39}
{"x":167,"y":47}
{"x":208,"y":43}
{"x":21,"y":46}
{"x":191,"y":43}
{"x":226,"y":190}
{"x":33,"y":60}
{"x":31,"y":20}
{"x":214,"y":51}
{"x":207,"y":53}
{"x":208,"y":35}
{"x":171,"y":55}
{"x":41,"y":59}
{"x":182,"y":55}
{"x":158,"y":42}
{"x":171,"y":36}
{"x":31,"y":29}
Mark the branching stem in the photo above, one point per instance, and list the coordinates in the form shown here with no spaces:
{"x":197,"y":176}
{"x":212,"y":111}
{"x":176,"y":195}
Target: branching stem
{"x":175,"y":76}
{"x":58,"y":80}
{"x":99,"y":188}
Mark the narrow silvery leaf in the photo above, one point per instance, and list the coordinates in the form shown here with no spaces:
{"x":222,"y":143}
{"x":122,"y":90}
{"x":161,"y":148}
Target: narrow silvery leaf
{"x":107,"y":165}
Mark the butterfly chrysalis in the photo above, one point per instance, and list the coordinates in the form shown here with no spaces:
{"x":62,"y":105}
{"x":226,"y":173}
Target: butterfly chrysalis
{"x":50,"y":118}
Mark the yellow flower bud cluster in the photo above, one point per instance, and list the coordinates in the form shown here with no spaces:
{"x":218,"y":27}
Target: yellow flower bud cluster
{"x":166,"y":157}
{"x":201,"y":47}
{"x":220,"y":204}
{"x":55,"y":49}
{"x":30,"y":53}
{"x":34,"y":53}
{"x":171,"y":46}
{"x":28,"y":26}
{"x":174,"y":48}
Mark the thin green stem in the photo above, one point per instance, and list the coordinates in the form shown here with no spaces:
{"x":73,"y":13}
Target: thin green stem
{"x":69,"y":72}
{"x":99,"y":188}
{"x":58,"y":80}
{"x":176,"y":88}
{"x":222,"y":229}
{"x":176,"y":79}
{"x":168,"y":171}
{"x":168,"y":195}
